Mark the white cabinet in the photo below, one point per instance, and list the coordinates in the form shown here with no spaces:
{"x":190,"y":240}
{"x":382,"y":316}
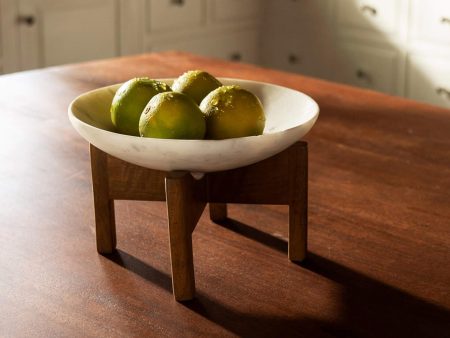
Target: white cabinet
{"x":430,"y":21}
{"x":376,"y":16}
{"x":41,"y":33}
{"x":368,"y":66}
{"x":429,"y":79}
{"x":225,"y":29}
{"x":428,"y":61}
{"x":65,"y":31}
{"x":400,"y":47}
{"x":371,"y":35}
{"x":297,"y":36}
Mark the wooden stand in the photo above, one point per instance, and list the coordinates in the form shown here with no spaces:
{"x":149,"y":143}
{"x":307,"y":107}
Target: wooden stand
{"x":281,"y":179}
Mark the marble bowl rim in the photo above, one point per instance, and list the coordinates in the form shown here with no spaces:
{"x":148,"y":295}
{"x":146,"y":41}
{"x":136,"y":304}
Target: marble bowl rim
{"x":314,"y":114}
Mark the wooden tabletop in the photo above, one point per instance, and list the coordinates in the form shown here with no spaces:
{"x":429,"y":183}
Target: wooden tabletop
{"x":379,"y":223}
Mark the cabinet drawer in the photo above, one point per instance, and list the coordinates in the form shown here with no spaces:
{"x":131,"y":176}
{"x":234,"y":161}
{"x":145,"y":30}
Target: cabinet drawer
{"x":233,"y":10}
{"x":294,"y":55}
{"x":431,"y":22}
{"x":374,"y":15}
{"x":167,"y":15}
{"x":428,"y":79}
{"x":367,"y":66}
{"x":242,"y":46}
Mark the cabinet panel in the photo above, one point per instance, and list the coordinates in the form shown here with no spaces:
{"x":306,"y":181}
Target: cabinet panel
{"x":232,"y":10}
{"x":367,"y":66}
{"x":1,"y":33}
{"x":66,"y":31}
{"x":429,"y":79}
{"x":1,"y":41}
{"x":298,"y":36}
{"x":292,"y":55}
{"x":9,"y":38}
{"x":175,"y":14}
{"x":375,"y":15}
{"x":430,"y":21}
{"x":238,"y":46}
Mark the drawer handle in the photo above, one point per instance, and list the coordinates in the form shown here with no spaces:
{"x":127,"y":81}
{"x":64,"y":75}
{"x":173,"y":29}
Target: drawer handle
{"x":177,"y":2}
{"x":445,"y":20}
{"x":363,"y":75}
{"x":369,"y":9}
{"x":293,"y":59}
{"x":236,"y":56}
{"x":443,"y":92}
{"x":28,"y":20}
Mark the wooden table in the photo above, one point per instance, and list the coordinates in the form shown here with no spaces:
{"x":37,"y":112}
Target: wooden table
{"x":379,"y":223}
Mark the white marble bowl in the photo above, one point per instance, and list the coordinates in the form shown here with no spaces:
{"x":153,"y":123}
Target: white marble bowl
{"x":289,"y":116}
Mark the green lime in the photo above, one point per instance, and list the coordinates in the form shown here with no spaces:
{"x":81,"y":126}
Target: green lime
{"x":130,"y":100}
{"x":172,"y":115}
{"x":232,"y":111}
{"x":196,"y":84}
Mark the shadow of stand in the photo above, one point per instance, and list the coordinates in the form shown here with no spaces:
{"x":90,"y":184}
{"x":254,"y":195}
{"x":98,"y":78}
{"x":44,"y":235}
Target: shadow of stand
{"x":238,"y":323}
{"x":370,"y":308}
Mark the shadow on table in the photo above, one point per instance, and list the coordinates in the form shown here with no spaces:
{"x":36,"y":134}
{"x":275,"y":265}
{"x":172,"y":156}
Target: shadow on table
{"x":369,"y":308}
{"x":141,"y":269}
{"x":241,"y":324}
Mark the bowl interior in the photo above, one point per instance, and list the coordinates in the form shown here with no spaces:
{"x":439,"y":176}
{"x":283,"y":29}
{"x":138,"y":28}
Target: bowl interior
{"x":284,"y":108}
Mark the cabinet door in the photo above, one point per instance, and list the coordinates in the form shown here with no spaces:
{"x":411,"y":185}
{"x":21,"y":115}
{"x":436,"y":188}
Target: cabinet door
{"x":428,"y":79}
{"x":374,"y":15}
{"x":293,"y":55}
{"x":236,"y":10}
{"x":367,"y":66}
{"x":298,"y":36}
{"x":431,"y":21}
{"x":65,"y":31}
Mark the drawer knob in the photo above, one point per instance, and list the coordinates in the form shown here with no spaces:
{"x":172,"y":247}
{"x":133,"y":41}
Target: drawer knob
{"x":177,"y":2}
{"x":443,"y":92}
{"x":363,"y":75}
{"x":293,"y":59}
{"x":28,"y":20}
{"x":369,"y":9}
{"x":236,"y":56}
{"x":445,"y":20}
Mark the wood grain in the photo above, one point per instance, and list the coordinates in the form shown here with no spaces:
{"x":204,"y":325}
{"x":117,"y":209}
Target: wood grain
{"x":185,"y":204}
{"x":379,"y":191}
{"x":105,"y":224}
{"x":134,"y":182}
{"x":218,"y":212}
{"x":298,"y":204}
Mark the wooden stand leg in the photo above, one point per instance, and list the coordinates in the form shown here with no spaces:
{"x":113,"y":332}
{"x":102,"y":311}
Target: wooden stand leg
{"x":105,"y":225}
{"x":218,"y":211}
{"x":281,"y":179}
{"x":298,"y":206}
{"x":185,"y":205}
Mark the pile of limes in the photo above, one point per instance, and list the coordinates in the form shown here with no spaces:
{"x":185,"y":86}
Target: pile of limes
{"x":197,"y":106}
